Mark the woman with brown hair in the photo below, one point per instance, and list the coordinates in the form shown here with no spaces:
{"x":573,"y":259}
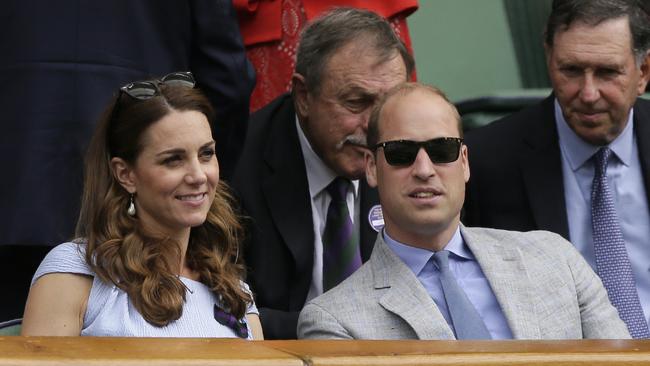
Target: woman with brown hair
{"x":158,"y":250}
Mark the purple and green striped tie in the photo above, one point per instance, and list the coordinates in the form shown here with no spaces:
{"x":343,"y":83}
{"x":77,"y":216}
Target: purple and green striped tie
{"x":341,"y":255}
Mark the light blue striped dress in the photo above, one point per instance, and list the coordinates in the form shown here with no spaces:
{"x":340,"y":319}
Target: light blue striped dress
{"x":110,"y":313}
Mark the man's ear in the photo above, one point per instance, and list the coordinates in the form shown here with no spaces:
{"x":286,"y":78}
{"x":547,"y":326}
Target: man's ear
{"x":123,"y":173}
{"x":464,"y":155}
{"x":371,"y":168}
{"x":300,"y":95}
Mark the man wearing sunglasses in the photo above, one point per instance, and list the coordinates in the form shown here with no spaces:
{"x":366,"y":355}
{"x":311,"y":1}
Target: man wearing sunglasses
{"x":314,"y":219}
{"x":578,"y":163}
{"x":430,"y":277}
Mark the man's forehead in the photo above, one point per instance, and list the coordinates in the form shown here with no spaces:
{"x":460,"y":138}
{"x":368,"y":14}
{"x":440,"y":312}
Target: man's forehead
{"x":434,"y":101}
{"x":356,"y":58}
{"x":404,"y":110}
{"x":362,"y":83}
{"x":589,"y":28}
{"x":607,"y":44}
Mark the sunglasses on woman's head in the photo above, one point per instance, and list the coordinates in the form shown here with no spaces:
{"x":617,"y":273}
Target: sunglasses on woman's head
{"x":149,"y":88}
{"x":403,"y":152}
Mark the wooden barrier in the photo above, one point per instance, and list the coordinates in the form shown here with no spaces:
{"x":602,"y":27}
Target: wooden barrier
{"x":565,"y":353}
{"x":42,"y":351}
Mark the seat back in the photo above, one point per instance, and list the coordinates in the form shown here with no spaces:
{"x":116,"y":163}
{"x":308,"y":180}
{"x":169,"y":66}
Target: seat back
{"x":17,"y":266}
{"x":11,"y":327}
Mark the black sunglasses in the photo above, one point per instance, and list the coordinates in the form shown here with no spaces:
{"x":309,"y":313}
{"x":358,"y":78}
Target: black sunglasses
{"x":404,"y":152}
{"x":149,"y":88}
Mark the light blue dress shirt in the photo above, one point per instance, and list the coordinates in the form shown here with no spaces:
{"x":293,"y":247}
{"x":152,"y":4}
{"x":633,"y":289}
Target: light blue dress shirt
{"x":629,"y":193}
{"x":468,"y":273}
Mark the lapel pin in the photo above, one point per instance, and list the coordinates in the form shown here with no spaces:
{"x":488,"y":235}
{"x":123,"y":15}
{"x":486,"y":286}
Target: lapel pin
{"x":376,"y":218}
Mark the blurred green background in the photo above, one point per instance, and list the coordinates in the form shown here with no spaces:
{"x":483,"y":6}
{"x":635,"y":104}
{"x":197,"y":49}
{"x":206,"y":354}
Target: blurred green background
{"x":472,"y":48}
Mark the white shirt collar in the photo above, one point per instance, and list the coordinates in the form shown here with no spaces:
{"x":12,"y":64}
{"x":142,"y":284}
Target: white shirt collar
{"x":319,"y":175}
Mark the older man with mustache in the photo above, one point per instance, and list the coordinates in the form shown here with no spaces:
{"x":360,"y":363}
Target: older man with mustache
{"x":313,"y":217}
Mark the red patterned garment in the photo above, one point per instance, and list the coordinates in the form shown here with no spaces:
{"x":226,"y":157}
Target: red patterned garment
{"x":271,"y":28}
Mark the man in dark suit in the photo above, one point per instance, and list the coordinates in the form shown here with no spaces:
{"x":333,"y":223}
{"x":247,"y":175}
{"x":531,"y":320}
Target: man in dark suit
{"x":578,"y":163}
{"x":298,"y":147}
{"x":60,"y":65}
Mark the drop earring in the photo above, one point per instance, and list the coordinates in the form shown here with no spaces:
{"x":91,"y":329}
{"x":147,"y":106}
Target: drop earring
{"x":131,"y":209}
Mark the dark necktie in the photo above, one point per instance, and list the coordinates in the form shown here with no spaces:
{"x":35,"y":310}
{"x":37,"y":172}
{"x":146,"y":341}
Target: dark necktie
{"x":612,"y":262}
{"x":467,"y":322}
{"x":341,"y":256}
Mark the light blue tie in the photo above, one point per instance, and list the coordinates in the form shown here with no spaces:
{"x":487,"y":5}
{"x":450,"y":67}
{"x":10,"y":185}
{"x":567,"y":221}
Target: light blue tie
{"x":612,"y":262}
{"x":467,"y":323}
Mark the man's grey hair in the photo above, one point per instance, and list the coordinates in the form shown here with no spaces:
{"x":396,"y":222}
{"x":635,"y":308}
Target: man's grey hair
{"x":564,"y":13}
{"x":325,"y":35}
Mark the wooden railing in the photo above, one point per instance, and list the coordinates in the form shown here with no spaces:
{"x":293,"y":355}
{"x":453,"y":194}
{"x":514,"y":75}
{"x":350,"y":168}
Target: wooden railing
{"x":183,"y":351}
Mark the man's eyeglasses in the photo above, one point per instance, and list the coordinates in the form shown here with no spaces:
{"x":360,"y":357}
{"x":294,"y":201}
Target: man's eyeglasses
{"x":149,"y":88}
{"x":403,"y":152}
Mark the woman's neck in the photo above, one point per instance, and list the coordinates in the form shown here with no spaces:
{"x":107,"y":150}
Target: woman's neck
{"x":183,"y":240}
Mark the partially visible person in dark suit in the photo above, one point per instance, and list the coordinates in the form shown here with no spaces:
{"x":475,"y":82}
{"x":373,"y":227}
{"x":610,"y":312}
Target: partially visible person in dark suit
{"x":314,"y":220}
{"x":578,"y":163}
{"x":60,"y":65}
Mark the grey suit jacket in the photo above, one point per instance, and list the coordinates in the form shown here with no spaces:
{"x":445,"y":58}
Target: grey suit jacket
{"x":545,"y":288}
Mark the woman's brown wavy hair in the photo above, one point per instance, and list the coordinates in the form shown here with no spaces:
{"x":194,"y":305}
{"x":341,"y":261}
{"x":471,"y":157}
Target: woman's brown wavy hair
{"x":120,"y":250}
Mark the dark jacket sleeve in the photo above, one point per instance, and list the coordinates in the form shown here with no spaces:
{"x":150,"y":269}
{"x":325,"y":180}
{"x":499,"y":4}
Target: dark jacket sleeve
{"x":224,"y":74}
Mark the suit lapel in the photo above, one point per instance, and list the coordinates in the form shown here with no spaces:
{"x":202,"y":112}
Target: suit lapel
{"x":405,"y":296}
{"x":286,"y":189}
{"x":541,"y":167}
{"x":505,"y":270}
{"x":369,"y":198}
{"x":642,"y":134}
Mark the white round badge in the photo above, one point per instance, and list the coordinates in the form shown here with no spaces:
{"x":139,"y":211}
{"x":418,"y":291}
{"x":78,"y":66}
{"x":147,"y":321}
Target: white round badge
{"x":376,"y":218}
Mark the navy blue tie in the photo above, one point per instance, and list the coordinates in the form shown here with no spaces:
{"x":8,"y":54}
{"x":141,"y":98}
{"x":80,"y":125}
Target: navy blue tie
{"x":467,"y":322}
{"x":612,"y":262}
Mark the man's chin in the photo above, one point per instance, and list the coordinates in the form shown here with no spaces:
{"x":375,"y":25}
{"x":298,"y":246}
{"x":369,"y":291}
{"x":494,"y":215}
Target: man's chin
{"x":350,"y":163}
{"x":596,"y":135}
{"x":352,"y":172}
{"x":355,"y":174}
{"x":590,"y":120}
